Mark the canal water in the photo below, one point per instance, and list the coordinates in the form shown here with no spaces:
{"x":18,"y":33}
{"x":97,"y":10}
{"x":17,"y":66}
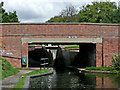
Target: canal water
{"x":72,"y":79}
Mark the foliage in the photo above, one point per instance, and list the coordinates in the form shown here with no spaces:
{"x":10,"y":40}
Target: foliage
{"x":116,"y":71}
{"x":6,"y":17}
{"x":7,"y":69}
{"x":22,"y":80}
{"x":98,"y":12}
{"x":100,"y":68}
{"x":116,"y":61}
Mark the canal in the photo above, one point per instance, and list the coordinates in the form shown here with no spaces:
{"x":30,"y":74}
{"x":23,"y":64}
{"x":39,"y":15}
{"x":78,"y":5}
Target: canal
{"x":73,"y":79}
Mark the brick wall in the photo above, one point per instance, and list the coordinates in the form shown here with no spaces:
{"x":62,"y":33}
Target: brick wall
{"x":12,"y":34}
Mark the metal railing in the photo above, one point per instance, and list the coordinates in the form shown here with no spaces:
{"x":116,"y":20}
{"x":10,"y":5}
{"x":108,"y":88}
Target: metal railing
{"x":44,"y":62}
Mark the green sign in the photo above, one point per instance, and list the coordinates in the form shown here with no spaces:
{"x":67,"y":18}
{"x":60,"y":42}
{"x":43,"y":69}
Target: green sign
{"x":24,"y":60}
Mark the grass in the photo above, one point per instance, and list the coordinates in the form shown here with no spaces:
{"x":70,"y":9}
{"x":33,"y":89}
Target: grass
{"x":7,"y":69}
{"x":71,"y":46}
{"x":112,"y":69}
{"x":19,"y":68}
{"x":22,"y":80}
{"x":100,"y":68}
{"x":22,"y":68}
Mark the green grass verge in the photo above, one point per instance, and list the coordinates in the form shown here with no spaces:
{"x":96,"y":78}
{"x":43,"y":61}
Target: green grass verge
{"x":112,"y":69}
{"x":7,"y":69}
{"x":22,"y":80}
{"x":100,"y":68}
{"x":23,"y":68}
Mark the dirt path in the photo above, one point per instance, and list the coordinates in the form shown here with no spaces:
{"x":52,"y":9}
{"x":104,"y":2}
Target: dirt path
{"x":11,"y":81}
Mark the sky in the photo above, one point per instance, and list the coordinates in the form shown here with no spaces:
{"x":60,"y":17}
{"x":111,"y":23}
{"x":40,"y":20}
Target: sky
{"x":39,"y":11}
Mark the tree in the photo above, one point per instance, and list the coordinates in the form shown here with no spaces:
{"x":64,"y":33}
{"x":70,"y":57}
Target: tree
{"x":68,"y":11}
{"x":66,"y":15}
{"x":97,"y":12}
{"x":7,"y":17}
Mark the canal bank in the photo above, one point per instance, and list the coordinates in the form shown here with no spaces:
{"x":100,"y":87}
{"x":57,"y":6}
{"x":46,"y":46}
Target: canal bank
{"x":22,"y":78}
{"x":27,"y":81}
{"x":84,"y":70}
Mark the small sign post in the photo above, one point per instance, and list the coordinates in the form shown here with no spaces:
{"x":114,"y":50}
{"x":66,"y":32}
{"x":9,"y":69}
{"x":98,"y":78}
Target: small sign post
{"x":24,"y":60}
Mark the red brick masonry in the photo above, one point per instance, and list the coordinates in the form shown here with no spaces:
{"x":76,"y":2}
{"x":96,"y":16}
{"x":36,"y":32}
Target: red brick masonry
{"x":13,"y":33}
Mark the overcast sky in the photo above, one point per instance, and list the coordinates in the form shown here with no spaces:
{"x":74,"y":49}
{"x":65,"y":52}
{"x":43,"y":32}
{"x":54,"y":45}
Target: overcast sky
{"x":39,"y":11}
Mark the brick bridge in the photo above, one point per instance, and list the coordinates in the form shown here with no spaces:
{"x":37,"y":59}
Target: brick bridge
{"x":17,"y":36}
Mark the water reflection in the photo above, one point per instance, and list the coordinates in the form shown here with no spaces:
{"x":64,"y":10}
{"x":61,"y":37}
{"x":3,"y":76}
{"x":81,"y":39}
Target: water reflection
{"x":72,"y":79}
{"x":107,"y":81}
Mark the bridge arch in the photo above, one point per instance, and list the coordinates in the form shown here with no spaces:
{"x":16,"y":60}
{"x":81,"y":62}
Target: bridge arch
{"x":85,"y":44}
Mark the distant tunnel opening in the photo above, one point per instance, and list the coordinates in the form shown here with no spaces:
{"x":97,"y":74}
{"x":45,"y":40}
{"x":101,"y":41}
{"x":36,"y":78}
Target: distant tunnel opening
{"x":86,"y":56}
{"x":81,"y":55}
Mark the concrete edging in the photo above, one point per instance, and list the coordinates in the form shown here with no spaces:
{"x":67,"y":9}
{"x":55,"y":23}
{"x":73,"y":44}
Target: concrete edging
{"x":27,"y":81}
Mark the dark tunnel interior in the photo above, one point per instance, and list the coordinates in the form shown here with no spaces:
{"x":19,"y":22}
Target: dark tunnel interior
{"x":85,"y":57}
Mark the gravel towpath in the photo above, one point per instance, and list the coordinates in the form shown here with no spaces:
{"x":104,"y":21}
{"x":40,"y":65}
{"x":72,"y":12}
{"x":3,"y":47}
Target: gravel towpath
{"x":11,"y":81}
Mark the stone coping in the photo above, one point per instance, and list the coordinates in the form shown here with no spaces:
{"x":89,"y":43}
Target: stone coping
{"x":108,"y":24}
{"x":27,"y":81}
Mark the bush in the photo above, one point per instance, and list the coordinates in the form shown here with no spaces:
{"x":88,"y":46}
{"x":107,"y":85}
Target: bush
{"x":116,"y":61}
{"x":7,"y":69}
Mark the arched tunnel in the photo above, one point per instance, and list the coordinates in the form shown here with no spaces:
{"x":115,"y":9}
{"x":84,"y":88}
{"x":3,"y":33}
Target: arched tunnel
{"x":83,"y":56}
